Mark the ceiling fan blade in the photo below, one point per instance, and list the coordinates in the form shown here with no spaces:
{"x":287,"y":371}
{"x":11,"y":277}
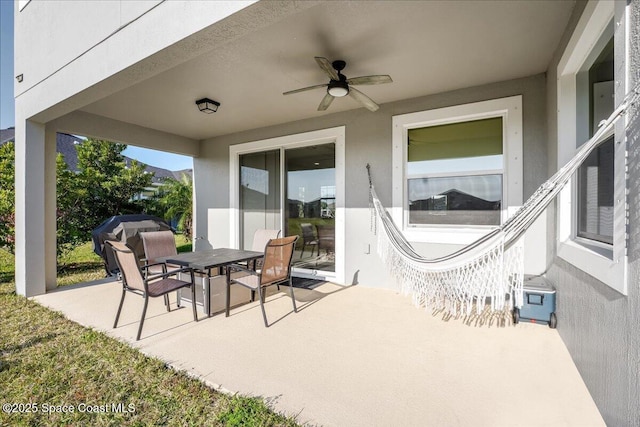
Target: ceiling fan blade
{"x":304,"y":89}
{"x":326,"y":101}
{"x":363,"y":99}
{"x":327,"y":67}
{"x":370,"y":80}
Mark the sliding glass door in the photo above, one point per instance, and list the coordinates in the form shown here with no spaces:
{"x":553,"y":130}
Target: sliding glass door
{"x":311,"y":205}
{"x":293,"y":190}
{"x":260,"y":194}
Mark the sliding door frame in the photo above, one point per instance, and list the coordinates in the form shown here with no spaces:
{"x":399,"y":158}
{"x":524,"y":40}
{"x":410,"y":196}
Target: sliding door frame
{"x":334,"y":135}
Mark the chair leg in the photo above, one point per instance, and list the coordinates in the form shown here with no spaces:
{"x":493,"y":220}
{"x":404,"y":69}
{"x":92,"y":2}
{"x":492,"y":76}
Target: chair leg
{"x":115,"y":324}
{"x":178,"y":294}
{"x":264,"y":314}
{"x":302,"y":251}
{"x":193,"y":301}
{"x":166,"y":302}
{"x":293,"y":300}
{"x":252,"y":298}
{"x":226,"y":313}
{"x":144,"y":312}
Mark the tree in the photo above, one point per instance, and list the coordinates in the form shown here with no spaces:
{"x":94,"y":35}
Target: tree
{"x":7,"y":196}
{"x":103,"y":186}
{"x":175,"y":199}
{"x":70,"y":207}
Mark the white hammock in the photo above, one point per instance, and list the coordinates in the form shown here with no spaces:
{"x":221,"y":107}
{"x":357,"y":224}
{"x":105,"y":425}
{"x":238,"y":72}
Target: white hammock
{"x":489,"y":269}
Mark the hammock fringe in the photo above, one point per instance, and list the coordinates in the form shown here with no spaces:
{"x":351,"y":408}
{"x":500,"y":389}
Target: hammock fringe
{"x":491,"y":276}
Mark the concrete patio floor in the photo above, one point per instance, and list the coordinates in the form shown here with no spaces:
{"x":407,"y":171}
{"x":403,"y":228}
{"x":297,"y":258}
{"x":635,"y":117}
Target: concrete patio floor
{"x":355,"y":356}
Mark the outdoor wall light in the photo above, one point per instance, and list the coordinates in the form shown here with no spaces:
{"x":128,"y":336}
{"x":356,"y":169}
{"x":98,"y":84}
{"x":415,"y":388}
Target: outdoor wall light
{"x":207,"y":105}
{"x":19,"y":78}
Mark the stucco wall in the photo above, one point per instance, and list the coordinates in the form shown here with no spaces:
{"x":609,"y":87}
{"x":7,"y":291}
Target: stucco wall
{"x":54,"y":33}
{"x":59,"y":43}
{"x":368,"y":140}
{"x":599,"y":325}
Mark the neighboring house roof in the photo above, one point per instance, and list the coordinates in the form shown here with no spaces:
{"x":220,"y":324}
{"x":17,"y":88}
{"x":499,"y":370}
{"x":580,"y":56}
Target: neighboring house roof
{"x":178,"y":174}
{"x":457,"y":199}
{"x":66,"y":145}
{"x":7,"y":135}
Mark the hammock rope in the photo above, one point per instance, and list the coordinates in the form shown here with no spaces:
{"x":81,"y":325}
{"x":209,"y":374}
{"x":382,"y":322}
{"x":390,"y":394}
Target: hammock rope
{"x":488,"y":269}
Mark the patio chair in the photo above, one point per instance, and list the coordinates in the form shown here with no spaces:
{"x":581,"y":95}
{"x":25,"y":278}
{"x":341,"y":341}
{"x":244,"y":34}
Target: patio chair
{"x":308,"y":238}
{"x":136,"y":281}
{"x":260,"y":239}
{"x":276,"y":270}
{"x":159,"y":244}
{"x":326,"y":238}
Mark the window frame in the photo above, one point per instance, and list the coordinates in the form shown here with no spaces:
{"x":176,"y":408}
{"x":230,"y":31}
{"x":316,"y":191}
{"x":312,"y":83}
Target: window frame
{"x":607,"y":263}
{"x":510,"y":109}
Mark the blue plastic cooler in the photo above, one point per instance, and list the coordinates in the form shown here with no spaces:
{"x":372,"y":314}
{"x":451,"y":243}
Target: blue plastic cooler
{"x":539,"y":303}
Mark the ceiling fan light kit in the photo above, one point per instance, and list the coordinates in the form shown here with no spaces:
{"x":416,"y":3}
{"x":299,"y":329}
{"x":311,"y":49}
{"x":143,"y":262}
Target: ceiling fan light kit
{"x":339,"y":84}
{"x":338,"y":89}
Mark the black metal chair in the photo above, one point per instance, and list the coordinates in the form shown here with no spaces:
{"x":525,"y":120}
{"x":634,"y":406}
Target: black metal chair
{"x":136,"y":281}
{"x":276,"y":270}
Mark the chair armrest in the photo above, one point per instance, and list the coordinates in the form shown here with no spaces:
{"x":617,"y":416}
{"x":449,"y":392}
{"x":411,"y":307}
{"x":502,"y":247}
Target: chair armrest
{"x":147,"y":266}
{"x":238,"y":267}
{"x":169,"y":273}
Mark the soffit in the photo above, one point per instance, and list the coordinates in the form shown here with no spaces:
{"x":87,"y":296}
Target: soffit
{"x":427,"y":47}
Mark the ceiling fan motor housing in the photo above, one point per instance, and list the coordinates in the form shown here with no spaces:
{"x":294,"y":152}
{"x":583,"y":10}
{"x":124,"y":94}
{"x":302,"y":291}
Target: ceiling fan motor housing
{"x":339,"y":65}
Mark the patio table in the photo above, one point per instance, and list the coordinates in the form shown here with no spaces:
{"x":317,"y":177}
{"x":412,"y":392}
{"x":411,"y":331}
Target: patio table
{"x":205,"y":261}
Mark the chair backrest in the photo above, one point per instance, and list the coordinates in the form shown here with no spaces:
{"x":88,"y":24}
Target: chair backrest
{"x":326,"y":237}
{"x":307,"y":232}
{"x":261,"y":237}
{"x":278,"y":254}
{"x":128,"y":263}
{"x":158,"y":244}
{"x":108,"y":257}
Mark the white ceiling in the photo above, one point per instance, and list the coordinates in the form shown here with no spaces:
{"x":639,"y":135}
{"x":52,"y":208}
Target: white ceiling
{"x":426,"y":46}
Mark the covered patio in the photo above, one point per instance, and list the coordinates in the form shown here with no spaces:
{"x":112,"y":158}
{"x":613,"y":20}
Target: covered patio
{"x":355,"y":356}
{"x":360,"y":354}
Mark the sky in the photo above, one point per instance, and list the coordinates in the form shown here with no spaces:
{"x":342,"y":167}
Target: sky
{"x":168,"y":161}
{"x":6,"y":64}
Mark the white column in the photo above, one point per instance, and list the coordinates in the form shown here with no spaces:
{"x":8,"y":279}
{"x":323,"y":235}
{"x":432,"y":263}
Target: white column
{"x":35,"y":238}
{"x":50,"y":205}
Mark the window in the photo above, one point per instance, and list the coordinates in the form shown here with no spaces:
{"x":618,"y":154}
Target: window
{"x":592,"y":208}
{"x":454,"y":173}
{"x":596,"y":176}
{"x":457,"y":170}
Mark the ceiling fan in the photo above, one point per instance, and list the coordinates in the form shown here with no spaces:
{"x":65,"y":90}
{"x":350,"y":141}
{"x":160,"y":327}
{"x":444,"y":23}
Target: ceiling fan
{"x":339,"y":85}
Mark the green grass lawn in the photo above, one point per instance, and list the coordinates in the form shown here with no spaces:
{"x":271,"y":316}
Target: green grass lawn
{"x":47,"y":362}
